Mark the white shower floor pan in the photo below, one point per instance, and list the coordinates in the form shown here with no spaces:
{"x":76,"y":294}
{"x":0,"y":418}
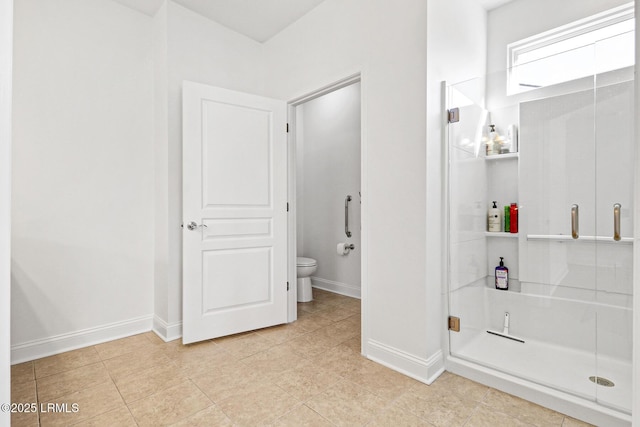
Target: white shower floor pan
{"x":561,"y":368}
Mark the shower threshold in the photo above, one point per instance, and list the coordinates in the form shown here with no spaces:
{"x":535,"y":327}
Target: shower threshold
{"x":551,"y":366}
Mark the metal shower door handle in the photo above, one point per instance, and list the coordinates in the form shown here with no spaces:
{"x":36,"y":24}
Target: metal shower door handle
{"x":575,"y":227}
{"x":346,"y":215}
{"x":616,"y":221}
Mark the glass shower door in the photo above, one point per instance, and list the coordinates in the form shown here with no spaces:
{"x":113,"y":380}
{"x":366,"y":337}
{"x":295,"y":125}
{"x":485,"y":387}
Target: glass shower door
{"x":543,"y":328}
{"x":614,"y":121}
{"x":558,"y":247}
{"x":467,"y":259}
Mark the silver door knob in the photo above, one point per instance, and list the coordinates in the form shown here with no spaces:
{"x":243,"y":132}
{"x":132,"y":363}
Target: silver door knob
{"x":192,"y":225}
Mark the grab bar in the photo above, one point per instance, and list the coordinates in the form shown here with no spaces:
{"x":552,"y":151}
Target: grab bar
{"x":575,"y":222}
{"x":346,"y":216}
{"x":616,"y":222}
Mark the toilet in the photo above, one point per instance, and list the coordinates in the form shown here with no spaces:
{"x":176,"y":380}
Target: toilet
{"x":305,"y":267}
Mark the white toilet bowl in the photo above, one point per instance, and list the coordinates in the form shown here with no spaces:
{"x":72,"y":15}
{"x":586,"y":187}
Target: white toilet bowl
{"x":305,"y":267}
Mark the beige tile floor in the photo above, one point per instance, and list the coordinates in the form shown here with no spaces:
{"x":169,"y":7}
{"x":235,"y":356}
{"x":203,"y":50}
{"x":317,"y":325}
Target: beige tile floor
{"x":309,"y":372}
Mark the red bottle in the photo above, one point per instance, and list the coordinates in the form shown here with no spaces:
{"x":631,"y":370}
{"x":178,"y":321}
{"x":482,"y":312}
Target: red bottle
{"x":513,"y":220}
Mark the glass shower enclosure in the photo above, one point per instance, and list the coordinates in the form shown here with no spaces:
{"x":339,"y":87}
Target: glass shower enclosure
{"x":562,"y":155}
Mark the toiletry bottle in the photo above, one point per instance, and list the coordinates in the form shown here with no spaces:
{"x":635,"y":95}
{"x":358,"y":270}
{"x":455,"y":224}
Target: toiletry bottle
{"x":502,"y":276}
{"x":512,"y":136}
{"x":498,"y":140}
{"x":504,"y":145}
{"x":507,"y":219}
{"x":513,"y":218}
{"x":491,"y":141}
{"x":494,"y":218}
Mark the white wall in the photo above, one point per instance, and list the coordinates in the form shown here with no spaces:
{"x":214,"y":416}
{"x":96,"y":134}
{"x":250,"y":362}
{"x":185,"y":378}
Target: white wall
{"x":6,"y":32}
{"x":200,"y":50}
{"x":82,"y":175}
{"x":455,"y":53}
{"x":388,"y":44}
{"x":329,"y":162}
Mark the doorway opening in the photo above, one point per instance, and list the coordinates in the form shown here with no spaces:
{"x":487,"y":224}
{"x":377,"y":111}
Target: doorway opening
{"x":327,"y":216}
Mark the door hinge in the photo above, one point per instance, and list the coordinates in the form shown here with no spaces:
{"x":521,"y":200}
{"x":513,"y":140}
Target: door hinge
{"x":287,"y":286}
{"x":287,"y":206}
{"x":453,"y":115}
{"x":287,"y":127}
{"x":454,"y":323}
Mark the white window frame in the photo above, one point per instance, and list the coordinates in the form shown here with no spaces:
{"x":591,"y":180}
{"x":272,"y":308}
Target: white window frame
{"x":592,"y":23}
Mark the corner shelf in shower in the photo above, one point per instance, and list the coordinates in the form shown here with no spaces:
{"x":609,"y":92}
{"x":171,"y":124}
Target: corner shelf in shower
{"x":503,"y":156}
{"x":501,"y":234}
{"x":514,"y":285}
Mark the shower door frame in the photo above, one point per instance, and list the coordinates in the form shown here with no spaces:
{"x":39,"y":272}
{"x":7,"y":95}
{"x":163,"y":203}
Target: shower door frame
{"x":635,"y":410}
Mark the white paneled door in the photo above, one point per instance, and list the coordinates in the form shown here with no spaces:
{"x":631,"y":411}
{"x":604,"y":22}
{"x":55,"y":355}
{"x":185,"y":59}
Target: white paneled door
{"x":234,"y":212}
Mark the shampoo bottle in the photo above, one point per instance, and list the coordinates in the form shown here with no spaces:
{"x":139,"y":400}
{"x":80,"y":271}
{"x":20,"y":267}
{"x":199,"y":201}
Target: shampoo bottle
{"x":493,"y":218}
{"x":507,"y":219}
{"x":502,"y":276}
{"x":513,"y":218}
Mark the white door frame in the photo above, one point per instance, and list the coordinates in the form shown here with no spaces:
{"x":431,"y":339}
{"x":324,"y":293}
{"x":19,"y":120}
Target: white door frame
{"x":6,"y":37}
{"x":291,"y":146}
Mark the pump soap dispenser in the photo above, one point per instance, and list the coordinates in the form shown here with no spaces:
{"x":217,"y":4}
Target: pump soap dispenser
{"x":502,"y":276}
{"x":493,"y":218}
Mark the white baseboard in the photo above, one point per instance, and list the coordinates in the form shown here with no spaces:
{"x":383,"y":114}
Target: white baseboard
{"x":337,"y":287}
{"x":168,"y":332}
{"x":423,"y":370}
{"x":37,"y":349}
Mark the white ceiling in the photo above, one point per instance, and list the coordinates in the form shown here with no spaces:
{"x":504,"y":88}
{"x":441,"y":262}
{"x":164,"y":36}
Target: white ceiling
{"x":148,"y":7}
{"x":492,"y":4}
{"x":258,"y":19}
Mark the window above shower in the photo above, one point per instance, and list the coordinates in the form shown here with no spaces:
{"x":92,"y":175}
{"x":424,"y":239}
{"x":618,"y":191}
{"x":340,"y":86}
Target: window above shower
{"x":591,"y":46}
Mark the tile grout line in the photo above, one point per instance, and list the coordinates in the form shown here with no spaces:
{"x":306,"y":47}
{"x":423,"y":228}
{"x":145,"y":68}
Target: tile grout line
{"x":121,"y":396}
{"x":66,"y":370}
{"x":475,"y":409}
{"x":131,"y":413}
{"x":208,"y":398}
{"x":37,"y":395}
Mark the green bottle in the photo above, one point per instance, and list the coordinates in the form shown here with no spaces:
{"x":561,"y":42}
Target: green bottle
{"x":507,"y":219}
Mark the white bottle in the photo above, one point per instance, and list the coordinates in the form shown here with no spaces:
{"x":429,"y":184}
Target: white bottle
{"x":491,"y":141}
{"x":512,"y":136}
{"x":493,"y":218}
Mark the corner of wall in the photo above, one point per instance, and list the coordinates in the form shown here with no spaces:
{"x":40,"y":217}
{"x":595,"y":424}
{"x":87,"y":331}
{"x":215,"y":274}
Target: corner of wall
{"x":160,"y":153}
{"x":168,"y":332}
{"x":424,"y":370}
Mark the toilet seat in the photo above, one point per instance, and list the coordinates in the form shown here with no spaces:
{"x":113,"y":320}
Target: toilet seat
{"x":305,"y":262}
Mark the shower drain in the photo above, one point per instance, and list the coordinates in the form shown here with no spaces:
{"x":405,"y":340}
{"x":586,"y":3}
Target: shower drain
{"x":602,"y":381}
